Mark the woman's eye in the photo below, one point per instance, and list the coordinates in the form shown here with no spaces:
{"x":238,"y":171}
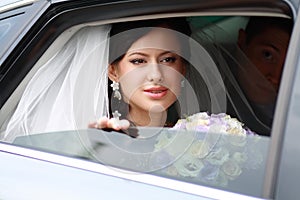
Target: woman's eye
{"x":137,"y":61}
{"x":169,"y":60}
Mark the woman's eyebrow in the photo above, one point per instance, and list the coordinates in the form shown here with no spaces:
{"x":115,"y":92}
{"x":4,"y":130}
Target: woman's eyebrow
{"x":145,"y":54}
{"x":167,"y":52}
{"x":137,"y":53}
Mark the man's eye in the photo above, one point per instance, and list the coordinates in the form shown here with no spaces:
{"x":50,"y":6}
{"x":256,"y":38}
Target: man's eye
{"x":268,"y":55}
{"x":169,"y":60}
{"x":137,"y":61}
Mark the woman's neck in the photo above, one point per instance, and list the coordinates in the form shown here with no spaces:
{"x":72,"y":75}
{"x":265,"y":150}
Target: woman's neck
{"x":144,"y":118}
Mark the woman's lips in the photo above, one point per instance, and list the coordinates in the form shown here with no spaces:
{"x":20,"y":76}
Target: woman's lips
{"x":156,"y":92}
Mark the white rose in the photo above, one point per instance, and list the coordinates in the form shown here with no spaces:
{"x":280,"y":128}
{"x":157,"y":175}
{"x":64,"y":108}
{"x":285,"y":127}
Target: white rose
{"x":163,"y":140}
{"x":239,"y":157}
{"x":188,"y":166}
{"x":175,"y":143}
{"x":199,"y":149}
{"x":238,"y":140}
{"x":231,"y":168}
{"x":180,"y":124}
{"x":218,"y":156}
{"x":217,"y":128}
{"x":198,"y":116}
{"x":222,"y":179}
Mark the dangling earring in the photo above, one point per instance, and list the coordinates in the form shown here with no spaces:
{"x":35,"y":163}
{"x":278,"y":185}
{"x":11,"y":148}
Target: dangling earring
{"x":117,"y":95}
{"x":115,"y":87}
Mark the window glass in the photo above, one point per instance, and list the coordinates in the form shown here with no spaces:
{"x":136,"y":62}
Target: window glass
{"x":250,"y":59}
{"x":4,"y":28}
{"x":233,"y":163}
{"x":197,"y":93}
{"x":7,"y":27}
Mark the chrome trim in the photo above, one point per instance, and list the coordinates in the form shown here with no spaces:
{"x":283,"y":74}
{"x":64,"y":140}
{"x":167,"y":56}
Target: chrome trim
{"x":190,"y":188}
{"x":292,"y":6}
{"x":16,"y":5}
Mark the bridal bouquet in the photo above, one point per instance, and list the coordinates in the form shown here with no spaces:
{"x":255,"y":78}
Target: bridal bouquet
{"x":219,"y":123}
{"x":216,"y":148}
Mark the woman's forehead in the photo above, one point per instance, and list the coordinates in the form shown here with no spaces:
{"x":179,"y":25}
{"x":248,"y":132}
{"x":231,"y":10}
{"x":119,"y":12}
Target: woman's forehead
{"x":158,"y":38}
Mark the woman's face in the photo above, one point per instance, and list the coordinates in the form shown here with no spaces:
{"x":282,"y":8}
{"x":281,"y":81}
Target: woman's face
{"x":151,"y":71}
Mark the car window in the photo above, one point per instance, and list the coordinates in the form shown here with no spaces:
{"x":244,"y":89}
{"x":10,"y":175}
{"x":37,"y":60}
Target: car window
{"x":216,"y":134}
{"x":216,"y":160}
{"x":6,"y":25}
{"x":4,"y":29}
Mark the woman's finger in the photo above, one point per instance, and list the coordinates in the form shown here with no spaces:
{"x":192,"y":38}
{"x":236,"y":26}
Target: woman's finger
{"x":124,"y":124}
{"x":114,"y":124}
{"x":103,"y":123}
{"x":93,"y":125}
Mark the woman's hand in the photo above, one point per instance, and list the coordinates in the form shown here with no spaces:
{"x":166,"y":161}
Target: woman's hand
{"x":122,"y":126}
{"x":112,"y":123}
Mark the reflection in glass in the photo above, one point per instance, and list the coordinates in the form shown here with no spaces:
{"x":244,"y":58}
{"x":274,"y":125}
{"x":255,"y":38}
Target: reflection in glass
{"x":231,"y":162}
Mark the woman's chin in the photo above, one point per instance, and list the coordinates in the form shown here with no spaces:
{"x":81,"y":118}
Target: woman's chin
{"x":157,"y":108}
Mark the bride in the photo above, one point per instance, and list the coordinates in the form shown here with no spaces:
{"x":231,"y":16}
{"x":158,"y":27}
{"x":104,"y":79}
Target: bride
{"x":148,"y":73}
{"x":141,"y":73}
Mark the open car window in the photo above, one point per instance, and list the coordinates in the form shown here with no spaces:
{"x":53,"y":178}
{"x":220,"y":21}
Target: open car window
{"x":225,"y":139}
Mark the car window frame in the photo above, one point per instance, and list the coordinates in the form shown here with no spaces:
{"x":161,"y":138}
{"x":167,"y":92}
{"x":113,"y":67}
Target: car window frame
{"x":48,"y":159}
{"x":277,"y":126}
{"x":281,"y":173}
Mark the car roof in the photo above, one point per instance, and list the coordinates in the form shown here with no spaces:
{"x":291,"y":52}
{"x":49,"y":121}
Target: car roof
{"x":7,"y":5}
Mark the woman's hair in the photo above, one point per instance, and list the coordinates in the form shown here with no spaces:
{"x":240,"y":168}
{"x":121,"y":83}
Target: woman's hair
{"x":124,"y":34}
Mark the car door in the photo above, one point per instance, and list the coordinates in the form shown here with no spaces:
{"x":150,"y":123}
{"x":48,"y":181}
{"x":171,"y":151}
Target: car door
{"x":40,"y":28}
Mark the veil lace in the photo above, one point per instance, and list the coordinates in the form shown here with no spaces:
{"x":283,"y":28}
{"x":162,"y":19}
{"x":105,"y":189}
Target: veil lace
{"x":69,"y":90}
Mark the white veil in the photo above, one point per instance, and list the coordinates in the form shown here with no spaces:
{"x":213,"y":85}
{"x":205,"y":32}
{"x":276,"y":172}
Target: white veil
{"x":69,"y":90}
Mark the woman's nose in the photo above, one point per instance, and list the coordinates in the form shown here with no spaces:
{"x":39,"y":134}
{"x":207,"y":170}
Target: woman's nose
{"x":154,"y":73}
